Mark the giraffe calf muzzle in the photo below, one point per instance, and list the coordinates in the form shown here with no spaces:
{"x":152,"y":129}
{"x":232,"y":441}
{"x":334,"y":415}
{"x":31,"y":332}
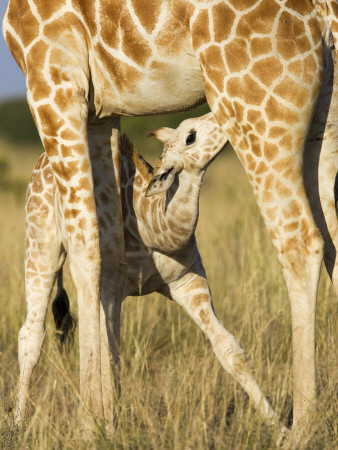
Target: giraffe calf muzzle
{"x":160,"y":183}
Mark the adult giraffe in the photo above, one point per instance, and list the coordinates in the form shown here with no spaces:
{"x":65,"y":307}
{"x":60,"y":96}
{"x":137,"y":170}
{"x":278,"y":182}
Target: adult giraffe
{"x":260,"y":65}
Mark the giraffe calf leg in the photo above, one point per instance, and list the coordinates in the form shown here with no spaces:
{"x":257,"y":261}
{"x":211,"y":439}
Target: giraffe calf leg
{"x":31,"y":338}
{"x":194,"y":296}
{"x":39,"y":285}
{"x":233,"y":359}
{"x":44,"y":257}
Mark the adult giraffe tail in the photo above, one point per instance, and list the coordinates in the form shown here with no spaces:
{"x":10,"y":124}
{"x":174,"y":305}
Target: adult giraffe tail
{"x":321,"y":152}
{"x":328,"y":9}
{"x":65,"y":322}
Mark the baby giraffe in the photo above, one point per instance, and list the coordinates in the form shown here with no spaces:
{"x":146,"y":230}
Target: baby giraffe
{"x":160,"y":212}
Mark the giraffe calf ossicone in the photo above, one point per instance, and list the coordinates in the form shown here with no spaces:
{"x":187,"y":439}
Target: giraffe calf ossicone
{"x":160,"y":212}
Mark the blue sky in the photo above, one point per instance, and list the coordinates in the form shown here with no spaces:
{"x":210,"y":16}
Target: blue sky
{"x":12,"y":80}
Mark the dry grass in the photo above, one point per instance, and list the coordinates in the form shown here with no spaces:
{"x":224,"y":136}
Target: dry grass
{"x":174,"y":392}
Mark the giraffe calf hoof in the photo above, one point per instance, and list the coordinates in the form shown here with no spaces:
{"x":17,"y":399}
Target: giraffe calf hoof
{"x":283,"y":438}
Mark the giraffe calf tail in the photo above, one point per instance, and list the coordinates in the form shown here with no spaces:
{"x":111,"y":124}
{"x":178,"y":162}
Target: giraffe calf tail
{"x":65,"y":322}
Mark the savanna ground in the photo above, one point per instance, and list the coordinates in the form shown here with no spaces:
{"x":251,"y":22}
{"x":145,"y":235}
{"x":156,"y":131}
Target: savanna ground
{"x":175,"y":393}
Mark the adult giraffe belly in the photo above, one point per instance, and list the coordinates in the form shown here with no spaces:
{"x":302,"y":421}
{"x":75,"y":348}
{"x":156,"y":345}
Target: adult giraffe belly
{"x":171,"y":88}
{"x":162,"y":87}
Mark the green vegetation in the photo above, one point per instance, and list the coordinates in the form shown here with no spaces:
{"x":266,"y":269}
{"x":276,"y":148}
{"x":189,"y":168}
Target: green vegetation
{"x":7,"y":183}
{"x":17,"y":124}
{"x":175,"y":394}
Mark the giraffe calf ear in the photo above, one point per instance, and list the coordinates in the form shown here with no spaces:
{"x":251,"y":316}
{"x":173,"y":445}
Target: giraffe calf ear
{"x":163,"y":134}
{"x":160,"y":183}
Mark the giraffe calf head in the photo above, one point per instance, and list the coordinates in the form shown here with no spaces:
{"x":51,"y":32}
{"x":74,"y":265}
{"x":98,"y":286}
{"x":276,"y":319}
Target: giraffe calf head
{"x":191,"y":147}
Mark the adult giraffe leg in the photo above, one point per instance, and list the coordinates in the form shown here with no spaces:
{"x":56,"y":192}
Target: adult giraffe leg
{"x":302,"y":275}
{"x":285,"y":209}
{"x":110,"y":362}
{"x":267,"y":120}
{"x":62,"y":123}
{"x":104,"y":150}
{"x":193,"y":294}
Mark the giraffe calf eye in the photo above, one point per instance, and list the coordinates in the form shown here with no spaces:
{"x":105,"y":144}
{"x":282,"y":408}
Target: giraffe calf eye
{"x":191,"y":137}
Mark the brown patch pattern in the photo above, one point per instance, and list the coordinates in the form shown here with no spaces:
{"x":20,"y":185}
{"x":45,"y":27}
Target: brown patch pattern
{"x":212,"y":62}
{"x":292,"y":92}
{"x":260,"y":46}
{"x":16,"y":51}
{"x":37,"y":83}
{"x":51,"y":122}
{"x":276,"y":111}
{"x":147,"y":12}
{"x":237,"y":55}
{"x":247,"y":89}
{"x":223,"y":19}
{"x":258,"y":21}
{"x":133,"y":43}
{"x":47,"y":9}
{"x":87,"y":9}
{"x":267,"y":70}
{"x":21,"y":18}
{"x":123,"y":75}
{"x":291,"y":38}
{"x":200,"y":29}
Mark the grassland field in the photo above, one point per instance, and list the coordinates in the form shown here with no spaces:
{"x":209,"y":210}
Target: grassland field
{"x":175,"y":394}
